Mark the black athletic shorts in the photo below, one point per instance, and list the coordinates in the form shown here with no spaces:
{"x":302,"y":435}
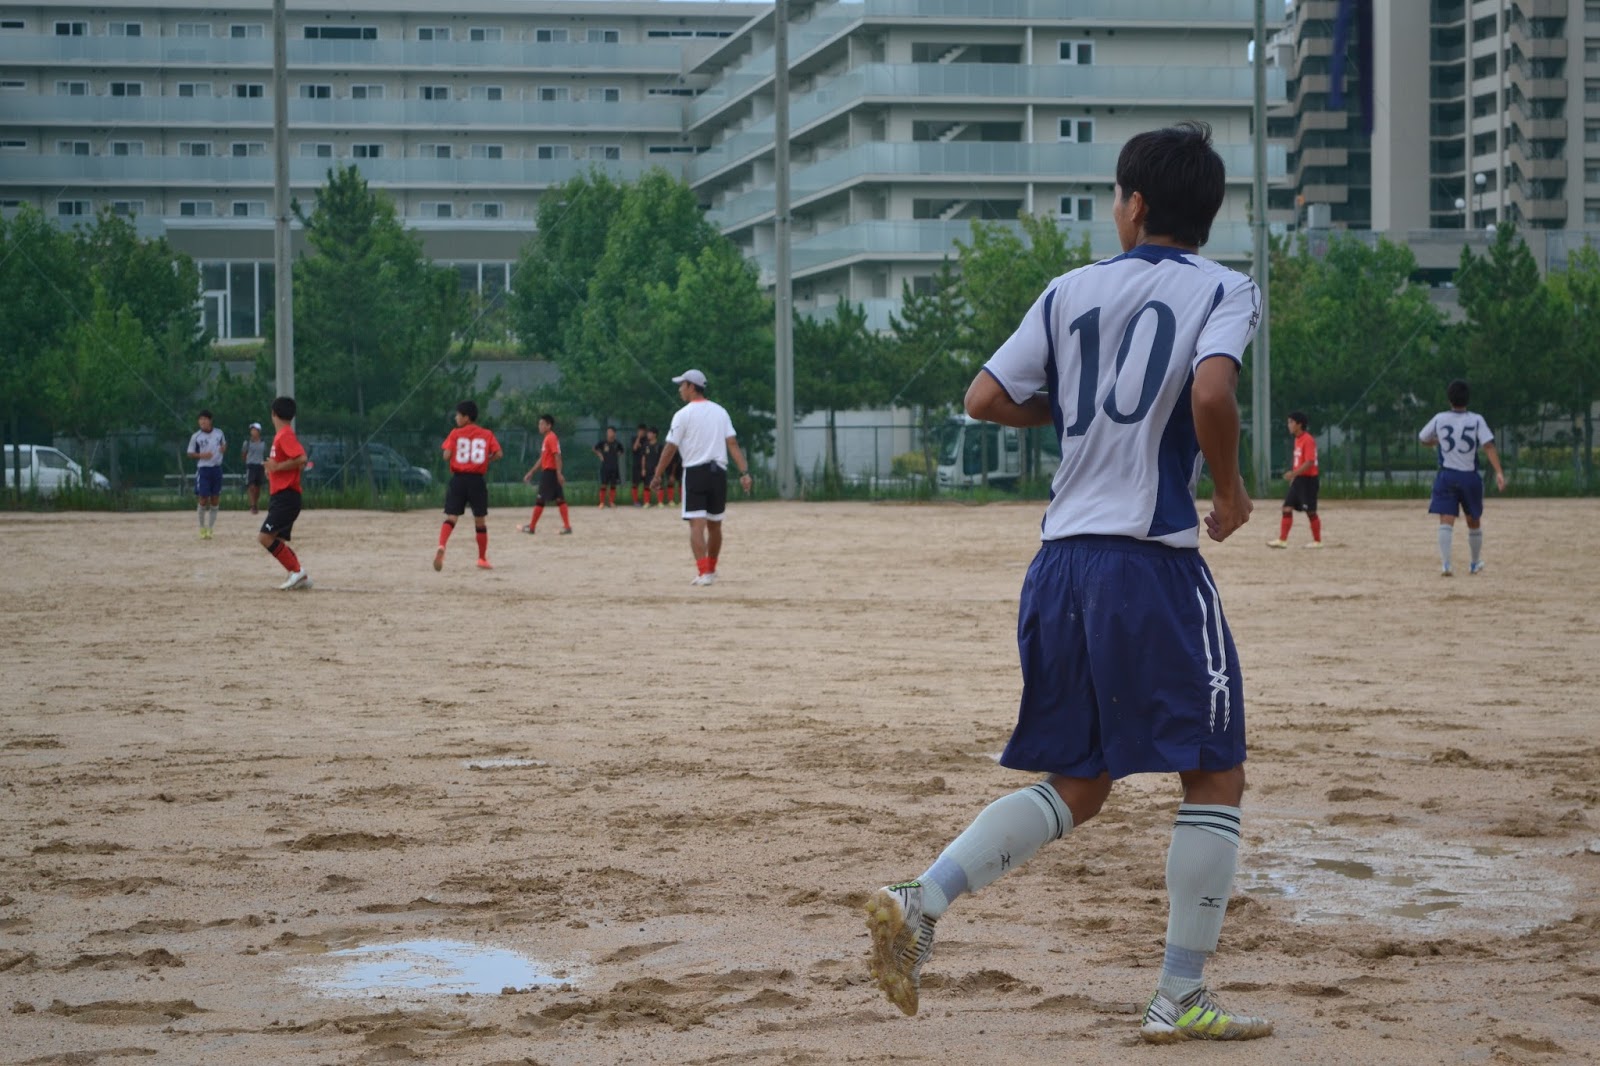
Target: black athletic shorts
{"x":705,"y":491}
{"x":255,"y":474}
{"x":550,"y":490}
{"x":610,"y":474}
{"x":283,"y":507}
{"x":1302,"y":494}
{"x":466,"y":490}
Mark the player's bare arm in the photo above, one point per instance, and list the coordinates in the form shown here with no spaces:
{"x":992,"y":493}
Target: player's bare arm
{"x":667,"y":452}
{"x":987,"y":399}
{"x":1216,"y":427}
{"x":277,"y":466}
{"x":1492,"y":453}
{"x":738,"y":457}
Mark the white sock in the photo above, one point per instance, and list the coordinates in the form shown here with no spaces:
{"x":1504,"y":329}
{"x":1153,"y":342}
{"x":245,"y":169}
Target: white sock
{"x":200,"y":514}
{"x":1475,"y":540}
{"x":1446,"y":535}
{"x":1200,"y":868}
{"x":1005,"y":835}
{"x":211,"y":518}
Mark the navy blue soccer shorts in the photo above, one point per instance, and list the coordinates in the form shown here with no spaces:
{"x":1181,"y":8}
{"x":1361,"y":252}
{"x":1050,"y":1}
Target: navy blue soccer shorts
{"x":1455,"y":491}
{"x":208,"y":481}
{"x":1128,"y":666}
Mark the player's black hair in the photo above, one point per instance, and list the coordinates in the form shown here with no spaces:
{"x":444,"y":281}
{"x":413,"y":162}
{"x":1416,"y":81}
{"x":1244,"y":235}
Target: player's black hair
{"x":284,"y":408}
{"x":469,"y":409}
{"x":654,"y":430}
{"x":1300,"y":417}
{"x":1181,"y":178}
{"x":644,"y":427}
{"x":1459,"y":393}
{"x":205,"y":413}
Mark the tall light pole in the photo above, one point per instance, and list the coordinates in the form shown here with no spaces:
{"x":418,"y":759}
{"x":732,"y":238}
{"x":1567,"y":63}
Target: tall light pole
{"x":282,"y":267}
{"x":783,"y":295}
{"x":1261,"y":370}
{"x":1481,"y":180}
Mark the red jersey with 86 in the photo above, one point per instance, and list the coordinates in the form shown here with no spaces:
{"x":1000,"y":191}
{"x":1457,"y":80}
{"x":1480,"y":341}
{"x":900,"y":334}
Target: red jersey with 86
{"x":469,"y":449}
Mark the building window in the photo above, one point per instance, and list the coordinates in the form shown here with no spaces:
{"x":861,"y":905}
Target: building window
{"x":672,"y":92}
{"x":1077,"y":208}
{"x":127,"y":88}
{"x":487,"y":92}
{"x":1591,"y":211}
{"x":553,"y":151}
{"x":73,"y":208}
{"x":72,"y":88}
{"x":488,"y":151}
{"x":554,"y":94}
{"x":127,"y":208}
{"x":249,"y":209}
{"x":316,"y":92}
{"x":72,"y":148}
{"x":194,"y":88}
{"x":434,"y":92}
{"x":316,"y":150}
{"x":603,"y":36}
{"x":482,"y":34}
{"x":196,"y":149}
{"x":366,"y":92}
{"x":1591,"y":173}
{"x":13,"y":146}
{"x":12,"y":85}
{"x":550,"y":36}
{"x":125,"y":29}
{"x":196,"y":209}
{"x":127,"y":148}
{"x":433,"y":33}
{"x":435,"y":209}
{"x":488,"y":210}
{"x":247,"y":149}
{"x":250,"y":90}
{"x":672,"y":149}
{"x":1077,"y":130}
{"x":605,"y":151}
{"x":434,"y":151}
{"x":1078,"y":53}
{"x":72,"y":29}
{"x":193,"y":29}
{"x":12,"y":24}
{"x":246,"y":31}
{"x":341,"y":33}
{"x":367,"y":151}
{"x":1591,"y":135}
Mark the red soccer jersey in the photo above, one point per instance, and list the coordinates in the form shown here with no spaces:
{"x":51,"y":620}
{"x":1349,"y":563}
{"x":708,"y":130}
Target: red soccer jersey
{"x":285,"y":445}
{"x":1305,"y":450}
{"x":469,"y":448}
{"x":549,"y":452}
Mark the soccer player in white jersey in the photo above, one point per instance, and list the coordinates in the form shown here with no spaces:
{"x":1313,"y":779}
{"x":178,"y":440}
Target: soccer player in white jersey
{"x":208,"y":447}
{"x":1128,"y":665}
{"x":1460,"y":435}
{"x":702,"y":435}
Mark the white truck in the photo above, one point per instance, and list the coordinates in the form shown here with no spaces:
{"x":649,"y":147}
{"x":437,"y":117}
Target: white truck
{"x":967,"y":444}
{"x":47,"y":470}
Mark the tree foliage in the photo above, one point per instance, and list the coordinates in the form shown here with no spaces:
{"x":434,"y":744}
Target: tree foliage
{"x":835,"y":363}
{"x":1577,"y":358}
{"x":1003,"y":271}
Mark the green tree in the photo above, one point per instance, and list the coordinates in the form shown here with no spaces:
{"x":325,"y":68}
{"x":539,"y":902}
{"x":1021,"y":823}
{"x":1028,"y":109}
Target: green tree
{"x":926,"y":365}
{"x":552,"y":279}
{"x":95,"y":381}
{"x":834,"y":361}
{"x":1577,"y":290}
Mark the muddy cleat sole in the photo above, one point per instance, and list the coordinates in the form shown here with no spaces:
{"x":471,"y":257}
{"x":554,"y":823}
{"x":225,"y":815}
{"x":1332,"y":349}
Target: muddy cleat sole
{"x":438,"y":559}
{"x":1197,"y":1016}
{"x":902,"y":940}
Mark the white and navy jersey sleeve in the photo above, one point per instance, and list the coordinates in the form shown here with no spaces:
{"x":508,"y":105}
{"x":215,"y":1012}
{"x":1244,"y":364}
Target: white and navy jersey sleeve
{"x":1022,"y":364}
{"x":1232,"y":322}
{"x":1430,"y":431}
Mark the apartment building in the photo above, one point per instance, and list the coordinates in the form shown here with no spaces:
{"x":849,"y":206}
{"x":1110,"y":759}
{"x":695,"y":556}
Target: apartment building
{"x":910,"y":118}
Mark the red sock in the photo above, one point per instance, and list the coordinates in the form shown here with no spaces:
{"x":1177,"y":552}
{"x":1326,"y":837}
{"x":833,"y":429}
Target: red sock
{"x":1283,"y":526}
{"x":703,"y":565}
{"x":711,"y":563}
{"x":1316,"y":528}
{"x":566,"y":523}
{"x":483,"y":544}
{"x":533,"y":523}
{"x":285,"y":555}
{"x":636,"y":495}
{"x":444,"y":532}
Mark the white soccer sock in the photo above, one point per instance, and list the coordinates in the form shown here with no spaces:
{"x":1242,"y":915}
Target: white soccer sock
{"x":1200,"y":868}
{"x":211,"y":518}
{"x":200,"y":514}
{"x":1005,"y":835}
{"x":1446,"y":535}
{"x":1475,"y":540}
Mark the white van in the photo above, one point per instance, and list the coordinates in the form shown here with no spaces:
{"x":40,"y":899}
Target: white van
{"x":47,"y":470}
{"x":965,"y":444}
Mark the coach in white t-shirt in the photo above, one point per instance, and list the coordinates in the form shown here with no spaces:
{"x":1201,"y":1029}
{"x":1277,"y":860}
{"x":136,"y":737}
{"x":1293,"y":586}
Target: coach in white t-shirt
{"x":703,"y":434}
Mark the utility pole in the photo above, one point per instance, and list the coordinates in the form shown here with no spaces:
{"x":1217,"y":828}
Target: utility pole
{"x":783,"y":295}
{"x":1261,"y":369}
{"x":283,"y":267}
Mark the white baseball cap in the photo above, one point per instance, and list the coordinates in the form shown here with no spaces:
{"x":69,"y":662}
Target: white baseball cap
{"x":255,"y":425}
{"x":693,"y":377}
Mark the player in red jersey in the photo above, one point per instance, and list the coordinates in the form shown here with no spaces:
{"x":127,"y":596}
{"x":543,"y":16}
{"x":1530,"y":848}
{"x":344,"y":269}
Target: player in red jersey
{"x":552,"y":483}
{"x":1304,"y":482}
{"x":470,"y":449}
{"x":284,"y":463}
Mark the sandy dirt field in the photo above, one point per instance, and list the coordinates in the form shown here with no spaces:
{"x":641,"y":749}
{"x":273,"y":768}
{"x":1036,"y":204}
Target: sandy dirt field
{"x":650,"y":813}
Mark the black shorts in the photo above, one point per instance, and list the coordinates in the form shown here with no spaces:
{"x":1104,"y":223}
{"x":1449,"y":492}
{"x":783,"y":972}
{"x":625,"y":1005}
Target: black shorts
{"x":640,"y":478}
{"x":610,"y":475}
{"x":550,"y":490}
{"x":283,"y":507}
{"x":466,"y":490}
{"x":255,"y":474}
{"x":1302,"y":494}
{"x":705,"y":491}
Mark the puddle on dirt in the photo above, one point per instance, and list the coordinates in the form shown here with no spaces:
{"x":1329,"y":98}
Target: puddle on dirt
{"x":426,"y":967}
{"x":1403,"y":879}
{"x":501,"y":764}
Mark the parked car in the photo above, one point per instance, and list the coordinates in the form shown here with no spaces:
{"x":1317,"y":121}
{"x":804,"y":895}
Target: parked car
{"x":334,"y":463}
{"x":47,"y":470}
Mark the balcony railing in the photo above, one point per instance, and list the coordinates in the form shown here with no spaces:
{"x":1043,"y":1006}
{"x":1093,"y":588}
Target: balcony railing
{"x":70,"y":172}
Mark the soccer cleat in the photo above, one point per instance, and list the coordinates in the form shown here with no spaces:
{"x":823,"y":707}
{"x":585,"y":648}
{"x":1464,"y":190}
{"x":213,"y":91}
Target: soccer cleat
{"x":525,"y":529}
{"x":566,"y":531}
{"x":483,"y":564}
{"x":705,"y":579}
{"x":902,"y":940}
{"x":1447,"y":572}
{"x":438,"y":559}
{"x":1197,"y":1016}
{"x":1315,"y":544}
{"x":1277,"y":544}
{"x":1475,"y":568}
{"x":297,"y":580}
